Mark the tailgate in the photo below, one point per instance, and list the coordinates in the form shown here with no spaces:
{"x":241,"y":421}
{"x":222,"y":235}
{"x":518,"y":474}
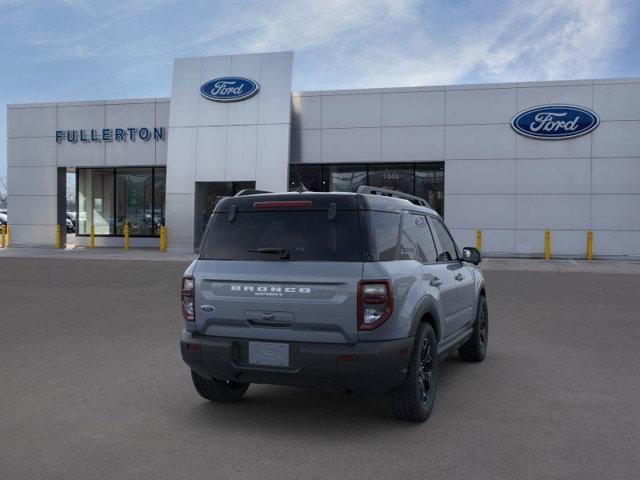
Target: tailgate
{"x":278,"y":300}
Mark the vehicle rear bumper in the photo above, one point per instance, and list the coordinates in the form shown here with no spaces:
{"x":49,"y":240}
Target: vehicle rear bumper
{"x":373,"y":367}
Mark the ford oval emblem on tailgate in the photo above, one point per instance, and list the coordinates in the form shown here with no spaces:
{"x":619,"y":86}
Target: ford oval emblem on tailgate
{"x":207,"y":308}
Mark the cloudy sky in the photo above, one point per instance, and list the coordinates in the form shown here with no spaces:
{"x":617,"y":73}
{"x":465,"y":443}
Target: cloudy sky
{"x":86,"y":49}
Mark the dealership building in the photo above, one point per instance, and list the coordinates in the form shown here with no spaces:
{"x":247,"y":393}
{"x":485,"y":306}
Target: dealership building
{"x":512,"y":160}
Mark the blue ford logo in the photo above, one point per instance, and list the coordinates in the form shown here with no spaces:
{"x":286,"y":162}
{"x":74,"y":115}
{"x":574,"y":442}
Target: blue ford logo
{"x":229,"y":89}
{"x":555,"y":122}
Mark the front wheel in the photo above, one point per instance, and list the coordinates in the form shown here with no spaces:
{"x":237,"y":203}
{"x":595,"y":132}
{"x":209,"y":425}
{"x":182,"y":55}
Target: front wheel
{"x":475,"y":349}
{"x":218,"y":390}
{"x":413,"y":400}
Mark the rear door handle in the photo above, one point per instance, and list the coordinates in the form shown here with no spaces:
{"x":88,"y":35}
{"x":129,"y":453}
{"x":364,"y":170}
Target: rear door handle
{"x":436,"y":282}
{"x":459,"y":277}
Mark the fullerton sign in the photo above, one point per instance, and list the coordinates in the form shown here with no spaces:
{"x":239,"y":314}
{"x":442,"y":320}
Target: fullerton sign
{"x":555,"y":122}
{"x":110,"y":135}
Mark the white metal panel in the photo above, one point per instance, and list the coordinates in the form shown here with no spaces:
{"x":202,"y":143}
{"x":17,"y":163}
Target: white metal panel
{"x":617,"y":102}
{"x":346,"y":111}
{"x":306,"y":146}
{"x":412,"y":143}
{"x":125,"y":115}
{"x":241,"y":152}
{"x":479,"y":141}
{"x":615,"y":212}
{"x":568,"y":212}
{"x":579,"y":147}
{"x":185,"y":92}
{"x":412,"y":108}
{"x":558,"y":175}
{"x":32,"y":122}
{"x":82,"y":117}
{"x":33,"y":210}
{"x":493,"y":241}
{"x":480,"y":176}
{"x":563,"y":242}
{"x":479,"y":211}
{"x":616,"y":175}
{"x":541,"y":95}
{"x":617,"y":139}
{"x":162,"y":120}
{"x":273,"y":157}
{"x":211,"y":154}
{"x":182,"y":156}
{"x":494,"y":105}
{"x":209,"y":112}
{"x":40,"y":235}
{"x":306,"y":112}
{"x":81,"y":154}
{"x":32,"y":180}
{"x":351,"y":145}
{"x":609,"y":242}
{"x":275,"y":86}
{"x":36,"y":152}
{"x":179,"y":212}
{"x":246,"y":111}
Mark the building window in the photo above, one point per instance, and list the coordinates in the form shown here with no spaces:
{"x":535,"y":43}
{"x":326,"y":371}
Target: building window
{"x":425,"y":180}
{"x":111,"y":198}
{"x":392,"y":176}
{"x":95,"y":201}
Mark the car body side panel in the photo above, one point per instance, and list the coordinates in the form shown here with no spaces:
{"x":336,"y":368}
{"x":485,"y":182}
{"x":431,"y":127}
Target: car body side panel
{"x":408,"y":291}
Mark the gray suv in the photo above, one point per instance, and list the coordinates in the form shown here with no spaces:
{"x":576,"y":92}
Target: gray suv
{"x":362,"y":291}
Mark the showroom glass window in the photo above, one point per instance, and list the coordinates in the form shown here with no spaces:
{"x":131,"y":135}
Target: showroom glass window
{"x":110,"y":198}
{"x":95,"y":201}
{"x":424,"y":180}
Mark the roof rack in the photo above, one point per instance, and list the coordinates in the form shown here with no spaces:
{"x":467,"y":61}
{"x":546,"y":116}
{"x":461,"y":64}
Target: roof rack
{"x":384,"y":192}
{"x":249,"y":191}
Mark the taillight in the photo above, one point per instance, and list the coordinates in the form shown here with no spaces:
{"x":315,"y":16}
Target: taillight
{"x":186,"y":298}
{"x":375,"y":303}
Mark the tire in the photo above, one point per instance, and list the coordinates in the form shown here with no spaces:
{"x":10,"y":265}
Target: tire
{"x":475,"y":349}
{"x":413,"y":400}
{"x":218,"y":390}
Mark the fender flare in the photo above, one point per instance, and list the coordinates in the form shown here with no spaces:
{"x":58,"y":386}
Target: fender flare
{"x":427,"y":306}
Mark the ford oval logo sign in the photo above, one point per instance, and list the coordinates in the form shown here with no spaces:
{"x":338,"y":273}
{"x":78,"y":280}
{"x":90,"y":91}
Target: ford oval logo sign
{"x":555,"y":122}
{"x":229,"y":89}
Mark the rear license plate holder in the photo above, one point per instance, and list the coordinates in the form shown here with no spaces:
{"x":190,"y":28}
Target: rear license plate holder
{"x":269,"y":354}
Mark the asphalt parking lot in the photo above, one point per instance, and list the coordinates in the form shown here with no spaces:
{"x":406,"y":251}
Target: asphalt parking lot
{"x":92,"y":386}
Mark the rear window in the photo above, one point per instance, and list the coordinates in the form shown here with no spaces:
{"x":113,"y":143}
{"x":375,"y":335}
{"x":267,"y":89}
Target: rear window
{"x":305,"y":236}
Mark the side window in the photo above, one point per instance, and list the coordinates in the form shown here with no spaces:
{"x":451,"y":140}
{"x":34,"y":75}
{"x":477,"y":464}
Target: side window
{"x":407,"y":246}
{"x":424,"y":240}
{"x":448,"y":250}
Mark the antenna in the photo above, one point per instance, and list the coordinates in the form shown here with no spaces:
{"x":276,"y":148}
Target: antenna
{"x":301,"y":187}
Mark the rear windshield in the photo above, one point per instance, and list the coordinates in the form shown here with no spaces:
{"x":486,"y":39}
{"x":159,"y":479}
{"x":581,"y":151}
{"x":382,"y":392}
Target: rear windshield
{"x":284,"y":236}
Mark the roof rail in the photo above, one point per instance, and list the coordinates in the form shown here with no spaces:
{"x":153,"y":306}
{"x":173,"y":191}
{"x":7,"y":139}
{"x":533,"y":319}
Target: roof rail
{"x":249,"y":191}
{"x":384,"y":192}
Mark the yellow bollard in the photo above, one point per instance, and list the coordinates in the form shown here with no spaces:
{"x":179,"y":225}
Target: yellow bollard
{"x":589,"y":245}
{"x":126,"y":237}
{"x":58,"y":237}
{"x":8,"y":235}
{"x":479,"y":240}
{"x":547,"y":244}
{"x":3,"y":234}
{"x":163,"y":238}
{"x":92,"y":237}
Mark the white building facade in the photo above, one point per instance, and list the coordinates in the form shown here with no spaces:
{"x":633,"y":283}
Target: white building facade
{"x":152,"y":162}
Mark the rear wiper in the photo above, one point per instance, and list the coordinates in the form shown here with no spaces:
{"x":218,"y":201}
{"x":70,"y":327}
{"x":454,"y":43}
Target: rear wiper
{"x":283,"y":252}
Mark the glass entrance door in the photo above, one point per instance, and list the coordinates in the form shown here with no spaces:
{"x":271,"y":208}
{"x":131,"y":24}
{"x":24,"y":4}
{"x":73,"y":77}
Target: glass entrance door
{"x":208,"y":194}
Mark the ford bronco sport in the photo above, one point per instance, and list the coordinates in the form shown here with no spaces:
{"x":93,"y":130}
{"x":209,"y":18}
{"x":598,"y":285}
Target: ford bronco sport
{"x":363,"y":291}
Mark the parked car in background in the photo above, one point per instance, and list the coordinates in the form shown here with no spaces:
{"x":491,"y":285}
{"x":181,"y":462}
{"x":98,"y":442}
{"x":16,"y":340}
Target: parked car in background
{"x":3,"y":217}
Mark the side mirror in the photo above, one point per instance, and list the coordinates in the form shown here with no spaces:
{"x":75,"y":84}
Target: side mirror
{"x":471,"y":255}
